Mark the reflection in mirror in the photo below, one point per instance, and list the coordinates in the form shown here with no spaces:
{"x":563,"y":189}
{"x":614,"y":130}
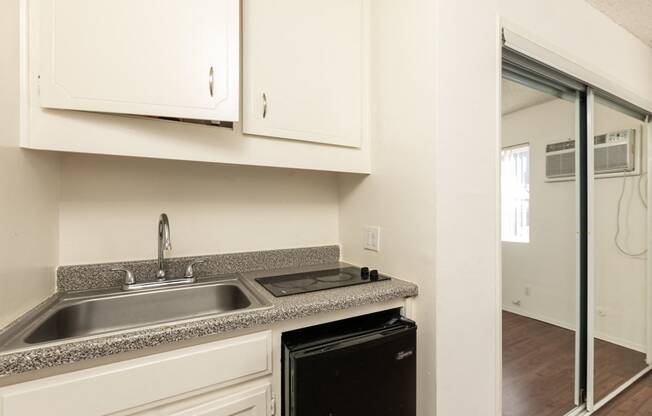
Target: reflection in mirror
{"x":620,"y":240}
{"x":539,"y":267}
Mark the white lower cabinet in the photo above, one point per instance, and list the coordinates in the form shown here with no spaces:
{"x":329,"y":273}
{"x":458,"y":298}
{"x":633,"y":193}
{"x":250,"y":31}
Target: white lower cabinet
{"x":251,"y":403}
{"x":156,"y":381}
{"x":245,"y":401}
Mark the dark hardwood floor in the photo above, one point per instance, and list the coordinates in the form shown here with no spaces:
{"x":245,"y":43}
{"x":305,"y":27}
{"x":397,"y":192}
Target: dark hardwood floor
{"x":614,"y":365}
{"x":538,"y":368}
{"x":635,"y":401}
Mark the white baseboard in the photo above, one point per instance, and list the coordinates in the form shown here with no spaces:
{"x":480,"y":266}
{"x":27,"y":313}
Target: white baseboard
{"x":622,"y":342}
{"x":599,"y":335}
{"x":538,"y":317}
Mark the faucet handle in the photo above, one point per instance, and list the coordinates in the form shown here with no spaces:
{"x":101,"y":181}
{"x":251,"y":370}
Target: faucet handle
{"x":190,"y":273}
{"x":129,"y":276}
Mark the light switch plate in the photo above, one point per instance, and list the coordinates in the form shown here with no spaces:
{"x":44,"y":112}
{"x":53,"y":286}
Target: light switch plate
{"x":371,"y":238}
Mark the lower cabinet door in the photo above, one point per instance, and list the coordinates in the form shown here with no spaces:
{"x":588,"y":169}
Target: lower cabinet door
{"x":252,"y":402}
{"x":130,"y":384}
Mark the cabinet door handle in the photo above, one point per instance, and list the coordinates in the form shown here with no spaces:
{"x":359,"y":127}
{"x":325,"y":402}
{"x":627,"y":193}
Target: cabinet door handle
{"x":264,"y":105}
{"x":211,"y":78}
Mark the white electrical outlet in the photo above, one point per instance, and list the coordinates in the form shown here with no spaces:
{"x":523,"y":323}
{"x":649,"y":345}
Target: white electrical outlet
{"x":372,"y":238}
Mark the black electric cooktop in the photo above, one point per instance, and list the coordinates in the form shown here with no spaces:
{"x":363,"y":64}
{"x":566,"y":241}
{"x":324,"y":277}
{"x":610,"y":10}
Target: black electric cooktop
{"x":292,"y":284}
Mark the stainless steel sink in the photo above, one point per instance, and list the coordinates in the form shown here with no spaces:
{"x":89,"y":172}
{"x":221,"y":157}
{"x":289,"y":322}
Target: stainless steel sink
{"x":73,"y":316}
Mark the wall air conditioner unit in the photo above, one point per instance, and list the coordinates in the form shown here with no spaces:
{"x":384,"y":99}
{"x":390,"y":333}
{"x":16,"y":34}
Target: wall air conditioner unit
{"x":614,"y":154}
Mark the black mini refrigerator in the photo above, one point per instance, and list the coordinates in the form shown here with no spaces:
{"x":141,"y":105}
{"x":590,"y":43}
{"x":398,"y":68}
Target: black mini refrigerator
{"x":359,"y":366}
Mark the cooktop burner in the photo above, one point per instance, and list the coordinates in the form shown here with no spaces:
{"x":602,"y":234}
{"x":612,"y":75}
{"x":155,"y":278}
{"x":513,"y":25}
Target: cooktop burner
{"x":292,"y":284}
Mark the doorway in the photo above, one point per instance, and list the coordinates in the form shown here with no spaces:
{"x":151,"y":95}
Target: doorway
{"x":574,"y":242}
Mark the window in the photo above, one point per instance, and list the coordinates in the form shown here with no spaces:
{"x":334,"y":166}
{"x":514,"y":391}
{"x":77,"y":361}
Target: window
{"x":515,"y":182}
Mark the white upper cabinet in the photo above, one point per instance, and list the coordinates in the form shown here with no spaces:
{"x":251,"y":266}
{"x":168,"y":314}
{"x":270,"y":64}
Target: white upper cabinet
{"x":305,"y":70}
{"x":171,"y":58}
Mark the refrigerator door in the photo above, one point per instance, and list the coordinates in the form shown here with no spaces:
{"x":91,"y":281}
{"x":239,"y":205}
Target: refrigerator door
{"x":374,"y":374}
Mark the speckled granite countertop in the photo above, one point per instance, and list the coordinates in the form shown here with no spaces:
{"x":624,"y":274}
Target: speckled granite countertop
{"x":291,"y":307}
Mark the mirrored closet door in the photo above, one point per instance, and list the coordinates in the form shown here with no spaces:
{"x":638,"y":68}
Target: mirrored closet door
{"x":540,"y":225}
{"x":576,"y":281}
{"x":619,"y":282}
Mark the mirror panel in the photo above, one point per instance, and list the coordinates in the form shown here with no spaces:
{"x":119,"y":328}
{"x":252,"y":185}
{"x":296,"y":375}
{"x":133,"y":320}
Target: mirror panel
{"x":620,"y":249}
{"x":539,"y":207}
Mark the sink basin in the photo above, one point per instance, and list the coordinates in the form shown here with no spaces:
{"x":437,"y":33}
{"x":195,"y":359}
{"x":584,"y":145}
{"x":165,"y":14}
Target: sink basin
{"x":76,"y":316}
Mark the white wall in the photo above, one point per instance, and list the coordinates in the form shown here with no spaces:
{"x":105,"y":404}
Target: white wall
{"x":547,"y":264}
{"x":466,"y":171}
{"x":466,"y":168}
{"x":620,"y":280}
{"x":578,"y":31}
{"x":29,"y":186}
{"x":399,"y":195}
{"x":110,"y":206}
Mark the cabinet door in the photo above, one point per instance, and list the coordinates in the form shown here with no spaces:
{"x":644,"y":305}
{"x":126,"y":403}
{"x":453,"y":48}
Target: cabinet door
{"x":305,"y":69}
{"x":182,"y":371}
{"x":248,"y":403}
{"x":173,"y":58}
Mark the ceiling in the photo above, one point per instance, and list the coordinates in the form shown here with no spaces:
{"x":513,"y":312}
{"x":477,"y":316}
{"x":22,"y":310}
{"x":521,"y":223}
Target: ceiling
{"x":633,"y":15}
{"x":517,"y":97}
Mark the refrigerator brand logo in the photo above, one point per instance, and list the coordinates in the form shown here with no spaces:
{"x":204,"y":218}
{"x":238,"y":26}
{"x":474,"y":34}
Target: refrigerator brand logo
{"x":404,"y":354}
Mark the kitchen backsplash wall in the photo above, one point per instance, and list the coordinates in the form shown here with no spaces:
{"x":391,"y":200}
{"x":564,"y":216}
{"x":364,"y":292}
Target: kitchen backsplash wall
{"x":109,"y":208}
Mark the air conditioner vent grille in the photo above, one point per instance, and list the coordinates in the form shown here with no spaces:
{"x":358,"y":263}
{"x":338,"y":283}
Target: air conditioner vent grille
{"x":560,"y":165}
{"x":612,"y":159}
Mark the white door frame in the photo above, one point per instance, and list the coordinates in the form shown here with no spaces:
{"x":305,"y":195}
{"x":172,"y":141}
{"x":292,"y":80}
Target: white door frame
{"x":578,"y":248}
{"x":590,"y":266}
{"x":647,"y":131}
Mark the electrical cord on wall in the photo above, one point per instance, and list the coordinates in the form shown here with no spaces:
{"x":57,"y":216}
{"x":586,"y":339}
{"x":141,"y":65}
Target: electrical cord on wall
{"x":620,"y":202}
{"x":640,"y":190}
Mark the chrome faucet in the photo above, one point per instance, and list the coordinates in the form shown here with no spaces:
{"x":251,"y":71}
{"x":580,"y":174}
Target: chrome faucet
{"x":164,"y":244}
